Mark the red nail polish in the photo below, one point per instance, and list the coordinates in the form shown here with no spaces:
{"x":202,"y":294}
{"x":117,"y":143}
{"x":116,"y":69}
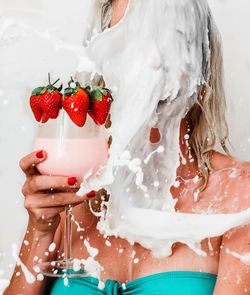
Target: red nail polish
{"x":91,"y":194}
{"x":72,"y":181}
{"x":40,"y":155}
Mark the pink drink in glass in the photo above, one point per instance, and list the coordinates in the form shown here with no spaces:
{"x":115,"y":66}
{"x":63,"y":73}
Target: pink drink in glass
{"x":72,"y":151}
{"x":72,"y":156}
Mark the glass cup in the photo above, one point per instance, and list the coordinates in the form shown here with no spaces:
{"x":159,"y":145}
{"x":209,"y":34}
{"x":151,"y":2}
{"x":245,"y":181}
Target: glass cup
{"x":71,"y":151}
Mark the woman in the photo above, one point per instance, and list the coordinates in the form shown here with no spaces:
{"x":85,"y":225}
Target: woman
{"x":184,"y":272}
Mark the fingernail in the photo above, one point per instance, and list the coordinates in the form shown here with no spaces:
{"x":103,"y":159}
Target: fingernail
{"x":72,"y":181}
{"x":91,"y":194}
{"x":40,"y":155}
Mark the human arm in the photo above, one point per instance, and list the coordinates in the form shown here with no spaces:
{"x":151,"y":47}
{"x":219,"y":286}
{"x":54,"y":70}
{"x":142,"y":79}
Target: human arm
{"x":234,"y":267}
{"x":234,"y":264}
{"x":45,"y":198}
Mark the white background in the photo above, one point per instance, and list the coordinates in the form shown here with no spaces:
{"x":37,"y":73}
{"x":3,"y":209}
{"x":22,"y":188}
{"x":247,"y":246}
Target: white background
{"x":17,"y":125}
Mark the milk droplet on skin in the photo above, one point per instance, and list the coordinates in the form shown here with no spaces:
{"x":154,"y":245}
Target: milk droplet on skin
{"x":52,"y":247}
{"x":196,"y":196}
{"x":121,"y":250}
{"x":177,"y":184}
{"x":186,"y":137}
{"x":40,"y":277}
{"x":36,"y":268}
{"x":107,"y":243}
{"x":196,"y":179}
{"x":183,"y":161}
{"x":136,"y":260}
{"x":46,"y":253}
{"x":26,"y":243}
{"x":18,"y":274}
{"x":234,"y":173}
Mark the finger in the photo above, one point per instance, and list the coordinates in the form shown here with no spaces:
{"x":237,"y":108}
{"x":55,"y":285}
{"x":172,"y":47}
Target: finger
{"x":53,"y":183}
{"x":53,"y":200}
{"x":29,"y":162}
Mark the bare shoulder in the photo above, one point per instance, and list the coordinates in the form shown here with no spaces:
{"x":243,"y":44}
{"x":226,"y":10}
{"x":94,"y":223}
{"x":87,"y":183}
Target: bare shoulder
{"x":221,"y":161}
{"x":234,"y":178}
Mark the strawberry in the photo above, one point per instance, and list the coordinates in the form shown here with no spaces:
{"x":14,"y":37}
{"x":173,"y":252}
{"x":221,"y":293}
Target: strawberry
{"x":51,"y":103}
{"x":46,"y":102}
{"x":35,"y":107}
{"x":100,"y":104}
{"x":76,"y":103}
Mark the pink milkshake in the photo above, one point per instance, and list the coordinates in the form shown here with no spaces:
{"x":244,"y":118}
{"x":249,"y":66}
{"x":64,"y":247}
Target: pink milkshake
{"x":73,"y":157}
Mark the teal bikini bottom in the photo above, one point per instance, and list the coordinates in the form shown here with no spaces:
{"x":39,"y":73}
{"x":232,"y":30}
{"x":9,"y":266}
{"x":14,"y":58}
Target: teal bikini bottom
{"x":165,"y":283}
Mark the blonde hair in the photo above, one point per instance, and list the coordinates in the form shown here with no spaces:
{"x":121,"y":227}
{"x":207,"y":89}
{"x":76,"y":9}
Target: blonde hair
{"x":207,"y":116}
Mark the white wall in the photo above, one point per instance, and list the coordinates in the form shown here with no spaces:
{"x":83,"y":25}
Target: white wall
{"x":17,"y":126}
{"x":233,"y":20}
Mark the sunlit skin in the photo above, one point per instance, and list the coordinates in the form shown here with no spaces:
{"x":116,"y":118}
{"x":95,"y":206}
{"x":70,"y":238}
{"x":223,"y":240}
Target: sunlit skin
{"x":223,"y":194}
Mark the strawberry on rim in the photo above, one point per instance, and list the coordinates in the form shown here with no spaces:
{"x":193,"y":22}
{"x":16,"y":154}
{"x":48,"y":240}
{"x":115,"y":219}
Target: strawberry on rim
{"x":100,"y":104}
{"x":76,"y":102}
{"x":46,"y":102}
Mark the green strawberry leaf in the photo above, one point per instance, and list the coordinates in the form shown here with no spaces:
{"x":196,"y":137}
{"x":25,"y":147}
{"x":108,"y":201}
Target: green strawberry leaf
{"x":69,"y":91}
{"x":39,"y":90}
{"x":50,"y":88}
{"x":98,"y":94}
{"x":88,"y":90}
{"x":60,"y":88}
{"x":91,"y":95}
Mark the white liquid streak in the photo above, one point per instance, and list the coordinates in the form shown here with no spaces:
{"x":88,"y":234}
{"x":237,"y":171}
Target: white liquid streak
{"x":28,"y":275}
{"x":244,"y":258}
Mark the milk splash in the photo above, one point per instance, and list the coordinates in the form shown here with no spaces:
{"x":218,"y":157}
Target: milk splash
{"x":155,"y":74}
{"x":92,"y":266}
{"x":244,"y":258}
{"x":30,"y":278}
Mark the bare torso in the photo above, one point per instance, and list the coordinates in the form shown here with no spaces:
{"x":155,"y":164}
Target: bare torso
{"x":125,"y":262}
